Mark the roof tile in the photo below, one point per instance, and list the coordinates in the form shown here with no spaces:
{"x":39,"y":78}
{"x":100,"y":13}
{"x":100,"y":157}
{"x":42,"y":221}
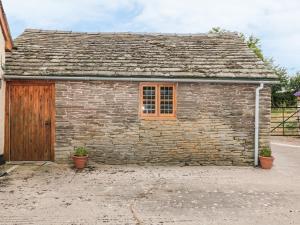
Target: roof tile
{"x":65,"y":53}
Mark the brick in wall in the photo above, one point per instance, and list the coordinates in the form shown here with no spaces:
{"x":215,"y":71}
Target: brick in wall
{"x":214,"y":124}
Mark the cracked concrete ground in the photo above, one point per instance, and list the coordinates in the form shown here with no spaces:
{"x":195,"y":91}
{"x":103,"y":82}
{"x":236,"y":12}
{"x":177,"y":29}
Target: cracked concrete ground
{"x":56,"y":194}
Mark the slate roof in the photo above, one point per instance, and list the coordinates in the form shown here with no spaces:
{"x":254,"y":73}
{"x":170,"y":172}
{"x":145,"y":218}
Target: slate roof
{"x":57,"y":53}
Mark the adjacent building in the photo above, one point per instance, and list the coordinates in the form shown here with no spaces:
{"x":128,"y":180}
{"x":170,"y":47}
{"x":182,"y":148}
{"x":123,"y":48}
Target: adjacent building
{"x":6,"y":44}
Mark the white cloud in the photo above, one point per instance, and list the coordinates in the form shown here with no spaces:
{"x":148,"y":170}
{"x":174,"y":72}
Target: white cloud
{"x":275,"y":21}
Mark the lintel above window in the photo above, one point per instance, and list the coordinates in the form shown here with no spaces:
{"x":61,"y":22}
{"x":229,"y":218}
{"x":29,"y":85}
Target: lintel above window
{"x":157,"y":100}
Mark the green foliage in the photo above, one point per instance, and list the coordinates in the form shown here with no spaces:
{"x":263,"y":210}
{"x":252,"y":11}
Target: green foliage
{"x":294,"y":82}
{"x":217,"y":30}
{"x":252,"y":42}
{"x":283,"y":99}
{"x":266,"y":152}
{"x":80,"y":151}
{"x":291,"y":125}
{"x":282,"y":93}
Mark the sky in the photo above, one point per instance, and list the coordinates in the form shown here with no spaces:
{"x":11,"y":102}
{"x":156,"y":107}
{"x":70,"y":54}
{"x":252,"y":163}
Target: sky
{"x":275,"y":22}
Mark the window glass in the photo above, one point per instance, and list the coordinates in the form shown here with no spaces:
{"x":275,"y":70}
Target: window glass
{"x":149,"y":99}
{"x":166,"y":100}
{"x":157,"y":100}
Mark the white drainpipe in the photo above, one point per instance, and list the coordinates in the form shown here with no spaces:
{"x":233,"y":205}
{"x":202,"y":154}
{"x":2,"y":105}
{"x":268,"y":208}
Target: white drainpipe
{"x":90,"y":78}
{"x":256,"y":138}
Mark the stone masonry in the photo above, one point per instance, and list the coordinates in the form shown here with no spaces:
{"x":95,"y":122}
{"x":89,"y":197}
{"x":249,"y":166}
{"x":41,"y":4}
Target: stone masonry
{"x":214,"y":124}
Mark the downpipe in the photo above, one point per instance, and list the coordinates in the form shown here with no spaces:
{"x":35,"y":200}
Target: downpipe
{"x":256,"y":137}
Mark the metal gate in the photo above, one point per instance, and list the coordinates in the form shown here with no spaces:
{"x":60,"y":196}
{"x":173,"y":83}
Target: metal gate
{"x":285,"y":121}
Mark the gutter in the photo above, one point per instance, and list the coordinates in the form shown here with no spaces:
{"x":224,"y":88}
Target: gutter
{"x":256,"y":136}
{"x":188,"y":80}
{"x":140,"y":79}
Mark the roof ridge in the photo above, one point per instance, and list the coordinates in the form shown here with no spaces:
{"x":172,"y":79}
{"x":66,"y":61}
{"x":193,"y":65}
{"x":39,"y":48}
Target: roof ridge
{"x":31,"y":30}
{"x":51,"y":52}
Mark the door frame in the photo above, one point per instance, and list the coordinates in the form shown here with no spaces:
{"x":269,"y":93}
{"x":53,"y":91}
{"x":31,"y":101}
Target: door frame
{"x":10,"y":83}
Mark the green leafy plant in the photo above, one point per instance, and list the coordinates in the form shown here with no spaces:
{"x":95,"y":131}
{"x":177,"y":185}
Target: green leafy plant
{"x":283,"y":92}
{"x":266,"y":152}
{"x":291,"y":125}
{"x":80,"y":151}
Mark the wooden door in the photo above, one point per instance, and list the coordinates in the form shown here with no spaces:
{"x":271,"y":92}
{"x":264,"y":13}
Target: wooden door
{"x":31,"y":121}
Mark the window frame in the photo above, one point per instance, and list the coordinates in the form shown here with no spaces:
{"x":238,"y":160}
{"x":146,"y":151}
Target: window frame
{"x":157,"y":114}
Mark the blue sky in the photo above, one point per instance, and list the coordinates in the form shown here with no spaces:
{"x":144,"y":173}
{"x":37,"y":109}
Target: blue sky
{"x":275,"y":22}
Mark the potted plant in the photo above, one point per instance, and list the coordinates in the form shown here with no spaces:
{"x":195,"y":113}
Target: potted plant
{"x":266,"y":159}
{"x":80,"y":157}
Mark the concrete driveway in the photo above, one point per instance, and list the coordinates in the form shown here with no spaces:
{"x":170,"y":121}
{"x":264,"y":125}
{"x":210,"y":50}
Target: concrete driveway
{"x":55,"y":194}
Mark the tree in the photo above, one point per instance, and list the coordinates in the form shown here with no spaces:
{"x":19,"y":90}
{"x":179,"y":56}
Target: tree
{"x":252,"y":42}
{"x":294,"y":83}
{"x":282,"y":93}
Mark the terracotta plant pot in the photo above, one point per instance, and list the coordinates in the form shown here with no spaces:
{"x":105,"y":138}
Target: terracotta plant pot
{"x":266,"y":162}
{"x":80,"y":161}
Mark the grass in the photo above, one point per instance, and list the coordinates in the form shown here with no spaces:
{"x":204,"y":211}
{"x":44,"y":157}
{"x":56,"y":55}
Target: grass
{"x":291,"y":125}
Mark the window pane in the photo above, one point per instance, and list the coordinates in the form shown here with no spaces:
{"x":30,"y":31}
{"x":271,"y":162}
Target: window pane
{"x":148,"y":100}
{"x":166,"y":100}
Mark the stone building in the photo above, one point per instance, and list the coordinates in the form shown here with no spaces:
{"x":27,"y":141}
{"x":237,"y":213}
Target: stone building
{"x":5,"y":45}
{"x":199,"y":99}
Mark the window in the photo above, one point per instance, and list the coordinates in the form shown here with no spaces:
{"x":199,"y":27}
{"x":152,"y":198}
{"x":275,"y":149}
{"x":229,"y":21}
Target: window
{"x":157,"y":100}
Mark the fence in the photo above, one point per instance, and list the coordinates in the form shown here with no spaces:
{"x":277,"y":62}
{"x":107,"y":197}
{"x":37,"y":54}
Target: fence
{"x":285,"y":121}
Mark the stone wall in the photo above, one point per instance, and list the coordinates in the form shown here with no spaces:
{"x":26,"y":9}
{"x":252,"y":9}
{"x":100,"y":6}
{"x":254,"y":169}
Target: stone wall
{"x":214,"y":125}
